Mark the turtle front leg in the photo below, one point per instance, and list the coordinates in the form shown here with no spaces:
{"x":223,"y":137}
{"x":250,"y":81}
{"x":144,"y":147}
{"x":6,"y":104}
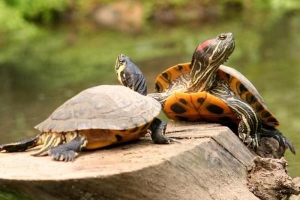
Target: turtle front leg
{"x":250,"y":123}
{"x":248,"y":132}
{"x":158,"y":128}
{"x":68,"y":151}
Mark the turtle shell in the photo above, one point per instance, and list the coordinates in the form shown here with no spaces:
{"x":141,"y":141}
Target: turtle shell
{"x":202,"y":106}
{"x":105,"y":114}
{"x":102,"y":107}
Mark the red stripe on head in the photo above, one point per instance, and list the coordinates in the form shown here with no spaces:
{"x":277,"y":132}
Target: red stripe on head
{"x":203,"y":45}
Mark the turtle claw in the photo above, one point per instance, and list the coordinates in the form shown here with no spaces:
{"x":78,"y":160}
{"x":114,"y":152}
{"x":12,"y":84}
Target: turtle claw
{"x":254,"y":143}
{"x":68,"y":151}
{"x":171,"y":140}
{"x":162,"y":140}
{"x":250,"y":141}
{"x":62,"y":155}
{"x":245,"y":138}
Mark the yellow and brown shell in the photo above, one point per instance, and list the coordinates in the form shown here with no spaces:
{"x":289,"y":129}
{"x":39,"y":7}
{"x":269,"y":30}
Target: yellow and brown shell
{"x":202,"y":106}
{"x":105,"y":115}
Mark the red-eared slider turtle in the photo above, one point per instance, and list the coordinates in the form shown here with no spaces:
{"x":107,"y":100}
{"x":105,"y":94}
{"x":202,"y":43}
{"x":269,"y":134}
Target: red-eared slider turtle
{"x":97,"y":117}
{"x":205,"y":90}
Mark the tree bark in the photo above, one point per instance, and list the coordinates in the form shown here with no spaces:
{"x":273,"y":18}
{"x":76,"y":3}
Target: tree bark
{"x":209,"y":162}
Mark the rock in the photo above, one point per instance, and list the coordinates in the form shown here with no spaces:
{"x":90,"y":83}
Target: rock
{"x":268,"y":179}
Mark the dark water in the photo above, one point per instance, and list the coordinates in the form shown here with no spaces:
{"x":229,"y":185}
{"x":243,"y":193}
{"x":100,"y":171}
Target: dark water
{"x":268,"y":55}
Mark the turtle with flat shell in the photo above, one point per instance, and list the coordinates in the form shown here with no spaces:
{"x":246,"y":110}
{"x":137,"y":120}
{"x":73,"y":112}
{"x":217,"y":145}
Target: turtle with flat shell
{"x":97,"y":117}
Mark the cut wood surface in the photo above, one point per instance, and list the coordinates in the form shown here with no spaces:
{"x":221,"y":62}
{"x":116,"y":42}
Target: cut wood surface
{"x":209,"y":162}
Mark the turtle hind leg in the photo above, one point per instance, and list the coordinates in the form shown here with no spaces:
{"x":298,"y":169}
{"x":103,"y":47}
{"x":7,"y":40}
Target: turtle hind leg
{"x":267,"y":131}
{"x":49,"y":140}
{"x":158,"y":128}
{"x":287,"y":144}
{"x":21,"y":145}
{"x":67,"y":151}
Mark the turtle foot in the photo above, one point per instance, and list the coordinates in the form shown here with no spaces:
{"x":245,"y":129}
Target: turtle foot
{"x":158,"y":128}
{"x":252,"y":142}
{"x":255,"y":143}
{"x":62,"y":155}
{"x":68,"y":151}
{"x":268,"y":131}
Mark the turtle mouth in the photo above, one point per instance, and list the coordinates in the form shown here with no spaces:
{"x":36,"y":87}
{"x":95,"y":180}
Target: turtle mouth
{"x":226,"y":59}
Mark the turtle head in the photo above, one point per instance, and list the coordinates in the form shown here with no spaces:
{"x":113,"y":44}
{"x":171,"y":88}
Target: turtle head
{"x":207,"y":58}
{"x":130,"y":75}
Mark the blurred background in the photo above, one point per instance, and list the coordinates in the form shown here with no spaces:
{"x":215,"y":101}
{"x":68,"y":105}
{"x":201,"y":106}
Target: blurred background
{"x":53,"y":49}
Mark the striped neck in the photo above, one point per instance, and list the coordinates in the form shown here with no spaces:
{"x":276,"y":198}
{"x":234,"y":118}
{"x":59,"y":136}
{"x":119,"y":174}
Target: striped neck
{"x":206,"y":60}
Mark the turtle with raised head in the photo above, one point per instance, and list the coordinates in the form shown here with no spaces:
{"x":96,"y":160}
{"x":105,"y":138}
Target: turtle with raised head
{"x":206,"y":90}
{"x":97,"y":117}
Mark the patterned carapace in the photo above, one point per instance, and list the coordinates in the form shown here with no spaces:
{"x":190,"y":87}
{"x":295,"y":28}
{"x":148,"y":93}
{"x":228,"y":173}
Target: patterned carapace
{"x":176,"y":79}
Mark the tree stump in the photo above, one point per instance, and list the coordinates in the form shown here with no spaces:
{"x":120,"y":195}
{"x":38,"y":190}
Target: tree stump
{"x":209,"y":162}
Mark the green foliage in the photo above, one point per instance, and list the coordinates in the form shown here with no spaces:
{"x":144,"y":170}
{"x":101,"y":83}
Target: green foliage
{"x":276,"y":5}
{"x":12,"y":22}
{"x":36,"y":9}
{"x":27,"y":46}
{"x":17,"y":18}
{"x":167,"y":2}
{"x":22,"y":18}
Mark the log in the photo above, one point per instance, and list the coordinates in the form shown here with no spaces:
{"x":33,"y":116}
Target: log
{"x":209,"y":162}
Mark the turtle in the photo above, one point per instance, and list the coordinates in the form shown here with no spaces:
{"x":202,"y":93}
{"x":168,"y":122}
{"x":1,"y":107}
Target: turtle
{"x":206,"y":90}
{"x":97,"y":117}
{"x":213,"y":109}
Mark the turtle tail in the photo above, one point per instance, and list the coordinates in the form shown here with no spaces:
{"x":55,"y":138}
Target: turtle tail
{"x":21,"y":145}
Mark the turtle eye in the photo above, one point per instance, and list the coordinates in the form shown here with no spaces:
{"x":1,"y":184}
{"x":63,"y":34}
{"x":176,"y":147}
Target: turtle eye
{"x":121,"y":58}
{"x":222,"y":36}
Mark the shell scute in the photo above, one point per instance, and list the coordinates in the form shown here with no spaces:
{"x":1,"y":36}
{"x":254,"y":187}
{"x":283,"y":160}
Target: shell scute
{"x":102,"y":107}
